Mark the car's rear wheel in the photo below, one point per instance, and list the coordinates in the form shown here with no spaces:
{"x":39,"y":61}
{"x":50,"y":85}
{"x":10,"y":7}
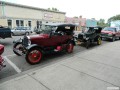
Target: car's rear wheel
{"x":12,"y":34}
{"x":87,"y":44}
{"x":70,"y":47}
{"x":17,"y":49}
{"x":99,"y":41}
{"x":27,"y":33}
{"x":34,"y":56}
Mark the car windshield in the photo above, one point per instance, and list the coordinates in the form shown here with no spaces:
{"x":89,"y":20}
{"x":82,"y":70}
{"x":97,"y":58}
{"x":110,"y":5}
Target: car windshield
{"x":88,"y":30}
{"x":109,"y":29}
{"x":46,"y":29}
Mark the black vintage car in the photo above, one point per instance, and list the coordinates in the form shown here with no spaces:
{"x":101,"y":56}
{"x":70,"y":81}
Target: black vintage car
{"x":5,"y":32}
{"x":91,"y":34}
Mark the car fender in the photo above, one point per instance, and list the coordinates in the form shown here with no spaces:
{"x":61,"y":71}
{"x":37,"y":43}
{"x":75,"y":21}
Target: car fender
{"x":33,"y":46}
{"x":72,"y":41}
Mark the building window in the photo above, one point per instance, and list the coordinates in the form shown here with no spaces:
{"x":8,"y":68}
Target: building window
{"x":39,"y":24}
{"x":9,"y":23}
{"x":19,"y":23}
{"x":29,"y":23}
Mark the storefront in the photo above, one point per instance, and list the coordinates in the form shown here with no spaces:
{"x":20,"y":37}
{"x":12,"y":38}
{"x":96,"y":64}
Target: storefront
{"x":14,"y":15}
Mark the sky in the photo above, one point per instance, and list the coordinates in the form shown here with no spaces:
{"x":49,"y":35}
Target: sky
{"x":87,"y":8}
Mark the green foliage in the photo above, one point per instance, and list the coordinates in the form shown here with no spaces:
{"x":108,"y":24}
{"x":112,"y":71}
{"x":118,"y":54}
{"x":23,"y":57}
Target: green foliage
{"x":102,"y":23}
{"x":53,"y":9}
{"x":113,"y":18}
{"x":75,"y":17}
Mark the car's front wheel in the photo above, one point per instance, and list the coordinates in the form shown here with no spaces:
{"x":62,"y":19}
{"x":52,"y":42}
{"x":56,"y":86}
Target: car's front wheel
{"x":34,"y":56}
{"x":70,"y":47}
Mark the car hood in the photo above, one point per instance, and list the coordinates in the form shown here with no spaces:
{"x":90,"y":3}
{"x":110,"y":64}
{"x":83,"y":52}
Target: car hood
{"x":39,"y":36}
{"x":107,"y":32}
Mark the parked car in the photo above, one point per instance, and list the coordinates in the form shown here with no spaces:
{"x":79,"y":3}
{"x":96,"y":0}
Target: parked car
{"x":5,"y":32}
{"x":53,"y":38}
{"x":110,"y":33}
{"x":91,"y":34}
{"x":37,"y":30}
{"x":21,"y":31}
{"x":1,"y":59}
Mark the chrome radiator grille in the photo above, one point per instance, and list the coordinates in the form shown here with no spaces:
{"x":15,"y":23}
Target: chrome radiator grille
{"x":25,"y":41}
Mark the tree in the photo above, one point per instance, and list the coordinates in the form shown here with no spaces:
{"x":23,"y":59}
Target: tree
{"x":113,"y":18}
{"x":53,"y":9}
{"x":75,"y":17}
{"x":49,"y":9}
{"x":102,"y":23}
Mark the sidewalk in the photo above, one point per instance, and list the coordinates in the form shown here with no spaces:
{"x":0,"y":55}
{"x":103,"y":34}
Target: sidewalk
{"x":96,"y":69}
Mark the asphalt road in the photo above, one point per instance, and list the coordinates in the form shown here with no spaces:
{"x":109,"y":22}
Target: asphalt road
{"x":17,"y":65}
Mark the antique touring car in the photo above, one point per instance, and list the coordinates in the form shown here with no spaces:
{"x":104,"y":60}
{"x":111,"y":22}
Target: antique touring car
{"x":53,"y":38}
{"x":91,"y":34}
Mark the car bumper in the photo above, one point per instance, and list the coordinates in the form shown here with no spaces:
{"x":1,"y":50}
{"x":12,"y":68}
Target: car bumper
{"x":107,"y":37}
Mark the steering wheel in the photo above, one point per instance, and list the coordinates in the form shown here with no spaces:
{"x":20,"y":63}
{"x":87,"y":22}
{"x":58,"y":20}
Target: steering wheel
{"x":60,"y":32}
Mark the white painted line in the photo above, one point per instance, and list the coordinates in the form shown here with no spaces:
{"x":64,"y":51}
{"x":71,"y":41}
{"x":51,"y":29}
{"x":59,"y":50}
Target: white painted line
{"x":9,"y":55}
{"x":12,"y":64}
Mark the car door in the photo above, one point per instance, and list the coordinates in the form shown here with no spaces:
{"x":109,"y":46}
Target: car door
{"x":16,"y":31}
{"x":55,"y":39}
{"x":23,"y":30}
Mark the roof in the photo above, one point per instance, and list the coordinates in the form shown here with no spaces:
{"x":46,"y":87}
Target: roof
{"x":60,"y":24}
{"x":30,"y":7}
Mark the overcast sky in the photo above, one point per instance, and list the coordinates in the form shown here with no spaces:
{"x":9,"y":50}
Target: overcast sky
{"x":87,"y":8}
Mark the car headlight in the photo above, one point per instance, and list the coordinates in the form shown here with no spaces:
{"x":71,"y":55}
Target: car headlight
{"x":26,"y":41}
{"x":29,"y":41}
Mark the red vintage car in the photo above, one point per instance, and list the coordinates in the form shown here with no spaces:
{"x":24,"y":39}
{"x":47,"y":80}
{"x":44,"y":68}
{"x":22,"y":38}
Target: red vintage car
{"x":53,"y":38}
{"x":112,"y":33}
{"x":1,"y":59}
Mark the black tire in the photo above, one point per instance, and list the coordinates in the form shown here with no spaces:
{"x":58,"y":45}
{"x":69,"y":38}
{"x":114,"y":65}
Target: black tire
{"x":32,"y":54}
{"x":12,"y":34}
{"x":27,"y":33}
{"x":14,"y":47}
{"x":99,"y":41}
{"x":113,"y":38}
{"x":119,"y":38}
{"x":87,"y":44}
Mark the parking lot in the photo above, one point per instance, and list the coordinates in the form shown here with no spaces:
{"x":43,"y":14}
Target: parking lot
{"x":17,"y":65}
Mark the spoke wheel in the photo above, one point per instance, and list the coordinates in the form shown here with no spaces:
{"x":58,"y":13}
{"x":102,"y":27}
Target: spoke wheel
{"x":70,"y":48}
{"x":34,"y":56}
{"x":99,"y":41}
